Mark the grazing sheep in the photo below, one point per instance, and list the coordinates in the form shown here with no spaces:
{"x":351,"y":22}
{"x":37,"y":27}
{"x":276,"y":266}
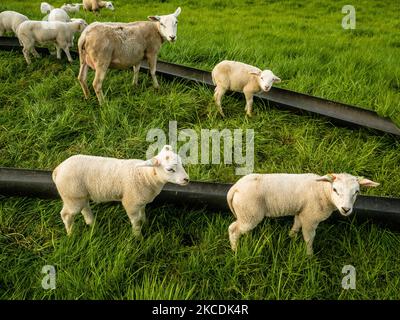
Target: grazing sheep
{"x":123,"y":45}
{"x":133,"y":182}
{"x":58,"y":15}
{"x":71,"y":8}
{"x":96,"y":5}
{"x":309,"y":197}
{"x":241,"y":77}
{"x":45,"y":7}
{"x":62,"y":16}
{"x":10,"y":21}
{"x":59,"y":33}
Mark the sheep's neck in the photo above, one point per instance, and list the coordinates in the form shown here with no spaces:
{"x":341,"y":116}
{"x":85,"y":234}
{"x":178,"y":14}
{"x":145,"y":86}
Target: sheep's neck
{"x":159,"y":32}
{"x":327,"y":191}
{"x":153,"y":180}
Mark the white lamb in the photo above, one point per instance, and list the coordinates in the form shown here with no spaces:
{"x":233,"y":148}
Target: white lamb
{"x":308,"y":197}
{"x":96,"y":5}
{"x":71,"y":8}
{"x":59,"y":33}
{"x":62,"y":16}
{"x":241,"y":77}
{"x":45,"y":7}
{"x":133,"y":182}
{"x":58,"y":15}
{"x":10,"y":21}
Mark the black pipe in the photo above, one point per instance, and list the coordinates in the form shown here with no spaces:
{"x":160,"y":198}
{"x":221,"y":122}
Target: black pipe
{"x":338,"y":112}
{"x":212,"y":196}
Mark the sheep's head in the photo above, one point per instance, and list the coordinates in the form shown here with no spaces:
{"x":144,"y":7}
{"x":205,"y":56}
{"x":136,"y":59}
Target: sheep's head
{"x":82,"y":23}
{"x":170,"y":165}
{"x":265,"y":79}
{"x":45,"y":7}
{"x":344,"y":190}
{"x":168,"y":25}
{"x":109,"y":5}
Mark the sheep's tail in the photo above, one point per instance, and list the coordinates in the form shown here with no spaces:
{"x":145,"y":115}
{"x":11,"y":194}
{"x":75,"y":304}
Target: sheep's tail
{"x":54,"y":174}
{"x":81,"y":47}
{"x":213,"y":77}
{"x":229,"y":198}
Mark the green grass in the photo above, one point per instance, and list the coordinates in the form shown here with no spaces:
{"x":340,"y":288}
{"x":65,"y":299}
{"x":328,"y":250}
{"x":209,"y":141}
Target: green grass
{"x":185,"y":253}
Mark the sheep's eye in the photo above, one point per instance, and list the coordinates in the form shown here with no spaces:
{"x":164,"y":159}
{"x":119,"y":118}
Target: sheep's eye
{"x":171,"y":170}
{"x":162,"y":24}
{"x":334,"y":190}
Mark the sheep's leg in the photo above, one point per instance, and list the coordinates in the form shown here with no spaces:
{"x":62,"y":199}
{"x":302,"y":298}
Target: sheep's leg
{"x":135,"y":216}
{"x":25,"y":51}
{"x":249,"y":102}
{"x":98,"y":81}
{"x":152,"y":60}
{"x":68,"y":219}
{"x":66,"y":50}
{"x":308,"y":229}
{"x":296,"y":226}
{"x":142,"y":216}
{"x":82,"y":77}
{"x":136,"y":69}
{"x":238,"y":228}
{"x":218,"y":94}
{"x":58,"y":50}
{"x":35,"y":53}
{"x":68,"y":212}
{"x":87,"y":215}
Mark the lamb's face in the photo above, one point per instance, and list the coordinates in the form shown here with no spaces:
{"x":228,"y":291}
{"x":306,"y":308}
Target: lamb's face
{"x":82,"y":23}
{"x":168,"y":25}
{"x":344,"y":190}
{"x":266,"y":79}
{"x":172,"y":166}
{"x":109,"y":6}
{"x":169,"y":166}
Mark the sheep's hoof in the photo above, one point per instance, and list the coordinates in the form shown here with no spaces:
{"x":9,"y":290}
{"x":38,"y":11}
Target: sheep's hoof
{"x":292,"y":234}
{"x":138,"y":236}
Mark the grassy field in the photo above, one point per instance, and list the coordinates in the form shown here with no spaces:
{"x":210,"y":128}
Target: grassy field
{"x":185,"y":253}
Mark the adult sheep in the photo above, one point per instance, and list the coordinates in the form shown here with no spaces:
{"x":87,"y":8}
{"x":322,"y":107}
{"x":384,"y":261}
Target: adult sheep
{"x":308,"y":197}
{"x":121,"y":46}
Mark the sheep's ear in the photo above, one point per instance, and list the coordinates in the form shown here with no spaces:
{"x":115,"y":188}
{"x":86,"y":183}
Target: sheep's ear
{"x":153,"y":162}
{"x":256,"y":73}
{"x":277,"y":80}
{"x":154,"y":18}
{"x":328,"y":178}
{"x":177,"y":12}
{"x":366,"y":183}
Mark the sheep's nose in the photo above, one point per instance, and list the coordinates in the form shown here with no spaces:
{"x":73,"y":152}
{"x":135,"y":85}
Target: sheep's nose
{"x":345,"y":209}
{"x":186,"y":180}
{"x":172,"y":38}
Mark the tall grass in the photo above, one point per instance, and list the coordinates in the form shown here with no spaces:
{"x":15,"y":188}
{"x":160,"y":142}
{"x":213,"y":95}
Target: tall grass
{"x":185,"y":253}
